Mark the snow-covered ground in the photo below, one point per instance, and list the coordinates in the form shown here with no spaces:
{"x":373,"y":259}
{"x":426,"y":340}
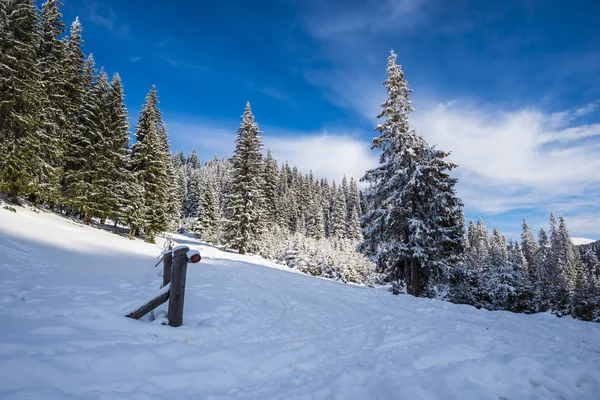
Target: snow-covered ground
{"x":580,"y":241}
{"x":255,"y":330}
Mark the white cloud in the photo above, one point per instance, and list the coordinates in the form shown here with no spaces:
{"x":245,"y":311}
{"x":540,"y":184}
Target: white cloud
{"x":505,"y":160}
{"x":587,"y":224}
{"x":329,"y":156}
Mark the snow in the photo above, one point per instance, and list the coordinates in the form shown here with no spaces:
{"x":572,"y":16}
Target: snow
{"x":580,"y":241}
{"x":254,"y":330}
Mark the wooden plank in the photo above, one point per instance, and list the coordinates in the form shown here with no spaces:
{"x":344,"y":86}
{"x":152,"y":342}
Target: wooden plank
{"x":167,"y":268}
{"x":151,"y":304}
{"x":180,"y":261}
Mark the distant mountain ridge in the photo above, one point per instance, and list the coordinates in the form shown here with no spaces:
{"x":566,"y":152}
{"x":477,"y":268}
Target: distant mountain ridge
{"x":582,"y":241}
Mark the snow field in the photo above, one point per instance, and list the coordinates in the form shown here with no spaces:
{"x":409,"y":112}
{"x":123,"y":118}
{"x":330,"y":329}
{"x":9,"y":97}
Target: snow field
{"x":255,"y":330}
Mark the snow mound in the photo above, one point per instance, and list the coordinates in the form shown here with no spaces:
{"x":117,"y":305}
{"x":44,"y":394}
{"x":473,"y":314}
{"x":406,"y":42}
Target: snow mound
{"x":253,"y":330}
{"x":581,"y":241}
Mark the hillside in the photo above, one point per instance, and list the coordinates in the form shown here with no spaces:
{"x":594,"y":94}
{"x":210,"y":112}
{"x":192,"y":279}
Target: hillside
{"x":255,"y":330}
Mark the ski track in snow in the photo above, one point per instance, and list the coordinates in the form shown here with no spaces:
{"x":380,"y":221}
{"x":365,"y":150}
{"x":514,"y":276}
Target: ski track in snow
{"x":255,"y":330}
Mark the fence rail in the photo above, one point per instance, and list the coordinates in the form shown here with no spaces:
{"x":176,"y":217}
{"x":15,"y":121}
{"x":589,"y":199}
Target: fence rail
{"x":175,"y":263}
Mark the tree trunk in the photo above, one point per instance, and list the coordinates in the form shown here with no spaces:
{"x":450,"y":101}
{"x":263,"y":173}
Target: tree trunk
{"x":416,"y":278}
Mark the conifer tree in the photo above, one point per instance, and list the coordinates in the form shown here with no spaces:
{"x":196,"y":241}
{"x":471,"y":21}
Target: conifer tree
{"x":353,"y":229}
{"x":413,"y":228}
{"x":208,"y":221}
{"x":193,"y":161}
{"x":172,"y":201}
{"x":566,"y":263}
{"x":54,"y":110}
{"x":338,"y":214}
{"x":543,"y":278}
{"x":271,"y":179}
{"x":314,"y":220}
{"x":79,"y":171}
{"x":21,"y":99}
{"x":118,"y":176}
{"x":150,"y":169}
{"x":530,"y":246}
{"x":244,"y":223}
{"x":192,"y":201}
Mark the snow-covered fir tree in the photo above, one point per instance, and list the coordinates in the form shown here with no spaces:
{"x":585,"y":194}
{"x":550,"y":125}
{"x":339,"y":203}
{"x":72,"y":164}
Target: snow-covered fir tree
{"x":79,"y":172}
{"x":413,"y":226}
{"x":150,"y":168}
{"x":245,"y":204}
{"x":338,"y":213}
{"x":208,"y":222}
{"x":21,"y":100}
{"x":54,"y":108}
{"x":565,"y":261}
{"x":271,"y":177}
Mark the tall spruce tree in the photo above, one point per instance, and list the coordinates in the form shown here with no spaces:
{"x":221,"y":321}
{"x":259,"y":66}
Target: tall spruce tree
{"x":150,"y":168}
{"x":208,"y":221}
{"x":353,"y":229}
{"x":244,"y":223}
{"x":414,"y":227}
{"x":530,"y":246}
{"x":271,"y":179}
{"x":543,"y":278}
{"x":55,"y":127}
{"x":118,"y":176}
{"x":21,"y":99}
{"x":80,"y":162}
{"x":566,"y":263}
{"x":172,"y":200}
{"x":338,"y":214}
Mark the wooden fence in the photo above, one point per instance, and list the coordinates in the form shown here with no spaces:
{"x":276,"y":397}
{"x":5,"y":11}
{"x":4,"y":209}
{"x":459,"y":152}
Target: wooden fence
{"x":175,"y":263}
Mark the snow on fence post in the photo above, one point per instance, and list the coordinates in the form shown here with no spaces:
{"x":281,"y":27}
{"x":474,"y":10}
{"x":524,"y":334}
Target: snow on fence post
{"x":173,"y":289}
{"x":167,"y":268}
{"x":176,"y":297}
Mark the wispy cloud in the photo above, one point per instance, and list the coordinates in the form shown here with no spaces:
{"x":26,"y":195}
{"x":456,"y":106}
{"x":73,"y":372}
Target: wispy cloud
{"x":135,"y":59}
{"x":587,"y":109}
{"x":335,"y":22}
{"x":104,"y":16}
{"x":275,"y":93}
{"x":182,"y":64}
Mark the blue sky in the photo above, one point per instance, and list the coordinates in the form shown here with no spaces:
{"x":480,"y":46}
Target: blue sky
{"x":512,"y":88}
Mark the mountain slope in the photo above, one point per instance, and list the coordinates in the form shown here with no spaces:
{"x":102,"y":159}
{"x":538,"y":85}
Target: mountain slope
{"x":254,"y":330}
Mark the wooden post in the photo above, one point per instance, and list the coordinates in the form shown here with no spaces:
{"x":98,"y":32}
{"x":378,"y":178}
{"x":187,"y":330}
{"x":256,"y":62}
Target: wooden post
{"x":177,"y":294}
{"x":167,"y":268}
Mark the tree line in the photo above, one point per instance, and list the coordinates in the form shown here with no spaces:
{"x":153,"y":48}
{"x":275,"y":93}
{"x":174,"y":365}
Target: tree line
{"x":65,"y":132}
{"x":250,"y":204}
